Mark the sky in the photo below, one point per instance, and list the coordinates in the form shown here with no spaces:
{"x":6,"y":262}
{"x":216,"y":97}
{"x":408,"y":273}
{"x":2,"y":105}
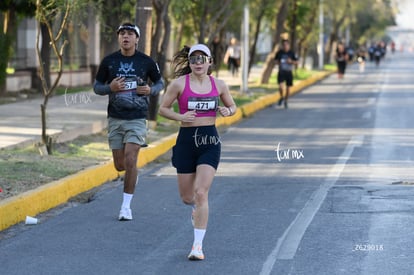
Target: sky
{"x":406,"y":12}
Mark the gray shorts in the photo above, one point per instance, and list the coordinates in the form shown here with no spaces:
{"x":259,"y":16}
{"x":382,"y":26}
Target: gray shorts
{"x":122,"y":131}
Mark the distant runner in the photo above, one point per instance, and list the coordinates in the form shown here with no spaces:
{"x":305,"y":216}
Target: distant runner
{"x":378,"y":54}
{"x":286,"y":59}
{"x":361,"y":58}
{"x":341,"y":58}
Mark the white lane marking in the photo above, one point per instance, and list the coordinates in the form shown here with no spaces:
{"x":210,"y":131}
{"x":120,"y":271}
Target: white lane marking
{"x":371,"y":100}
{"x":287,"y":245}
{"x":366,"y":115}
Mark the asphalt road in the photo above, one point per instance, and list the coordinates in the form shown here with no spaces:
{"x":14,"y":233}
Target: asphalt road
{"x":308,"y":190}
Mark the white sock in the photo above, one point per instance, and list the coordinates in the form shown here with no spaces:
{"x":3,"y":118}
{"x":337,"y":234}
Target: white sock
{"x":126,"y":202}
{"x":199,"y":236}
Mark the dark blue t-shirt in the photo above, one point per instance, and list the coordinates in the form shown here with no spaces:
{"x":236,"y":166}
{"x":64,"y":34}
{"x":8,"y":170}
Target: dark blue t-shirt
{"x":128,"y":104}
{"x":282,"y":57}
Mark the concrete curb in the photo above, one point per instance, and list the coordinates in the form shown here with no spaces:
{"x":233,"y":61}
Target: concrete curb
{"x":15,"y":209}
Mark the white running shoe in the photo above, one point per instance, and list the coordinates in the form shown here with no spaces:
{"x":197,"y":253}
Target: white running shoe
{"x":196,"y":253}
{"x":125,"y":214}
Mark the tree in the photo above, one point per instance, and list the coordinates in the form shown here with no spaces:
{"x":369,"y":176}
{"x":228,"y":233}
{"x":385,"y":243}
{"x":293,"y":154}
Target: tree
{"x":293,"y":22}
{"x":11,"y":11}
{"x":59,"y":12}
{"x":366,"y":19}
{"x":5,"y":53}
{"x":161,"y":34}
{"x":112,"y":13}
{"x":369,"y":20}
{"x":202,"y":20}
{"x":160,"y":41}
{"x":338,"y":13}
{"x":45,"y":53}
{"x":194,"y":20}
{"x":44,"y":15}
{"x":280,"y":28}
{"x":143,"y":19}
{"x":307,"y":28}
{"x":260,"y":11}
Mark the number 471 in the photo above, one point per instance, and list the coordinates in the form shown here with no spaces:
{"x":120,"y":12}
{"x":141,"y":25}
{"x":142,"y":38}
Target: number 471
{"x":201,"y":106}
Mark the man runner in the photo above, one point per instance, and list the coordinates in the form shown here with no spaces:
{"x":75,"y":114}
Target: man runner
{"x":123,"y":76}
{"x":285,"y":58}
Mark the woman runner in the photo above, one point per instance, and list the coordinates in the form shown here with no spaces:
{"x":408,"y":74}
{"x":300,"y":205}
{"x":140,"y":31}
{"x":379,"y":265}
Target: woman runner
{"x":196,"y":154}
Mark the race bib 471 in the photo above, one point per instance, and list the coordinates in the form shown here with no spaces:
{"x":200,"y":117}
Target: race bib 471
{"x":202,"y":103}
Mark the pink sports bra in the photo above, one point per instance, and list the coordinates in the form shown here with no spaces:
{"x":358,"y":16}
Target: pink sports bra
{"x":205,"y":104}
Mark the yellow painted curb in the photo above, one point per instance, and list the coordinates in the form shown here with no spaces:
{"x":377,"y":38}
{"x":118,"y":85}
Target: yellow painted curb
{"x":156,"y":149}
{"x":45,"y":197}
{"x":14,"y":210}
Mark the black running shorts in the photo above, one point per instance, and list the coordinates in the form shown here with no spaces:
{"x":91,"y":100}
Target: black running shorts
{"x":196,"y":146}
{"x":341,"y":67}
{"x":283,"y":76}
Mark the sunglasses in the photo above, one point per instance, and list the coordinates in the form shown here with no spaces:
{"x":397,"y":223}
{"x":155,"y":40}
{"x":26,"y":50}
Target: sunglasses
{"x":201,"y":59}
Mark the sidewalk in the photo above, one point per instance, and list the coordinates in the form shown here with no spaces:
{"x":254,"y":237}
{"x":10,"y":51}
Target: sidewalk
{"x":69,"y":116}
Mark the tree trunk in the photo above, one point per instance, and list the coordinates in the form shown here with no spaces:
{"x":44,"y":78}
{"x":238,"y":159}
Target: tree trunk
{"x":270,"y":60}
{"x":158,"y":8}
{"x":304,"y":54}
{"x":46,"y":139}
{"x":45,"y":53}
{"x":178,"y":36}
{"x":303,"y":46}
{"x":58,"y":50}
{"x":293,"y":25}
{"x":328,"y":51}
{"x":218,"y":47}
{"x":4,"y":57}
{"x":8,"y":33}
{"x":143,"y":18}
{"x":203,"y":25}
{"x":159,"y":48}
{"x":256,"y":37}
{"x":222,"y":16}
{"x":146,"y":44}
{"x":109,"y":23}
{"x":333,"y":37}
{"x":162,"y":56}
{"x":210,"y":19}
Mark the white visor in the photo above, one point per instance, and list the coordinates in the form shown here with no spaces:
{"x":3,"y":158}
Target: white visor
{"x":200,"y":47}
